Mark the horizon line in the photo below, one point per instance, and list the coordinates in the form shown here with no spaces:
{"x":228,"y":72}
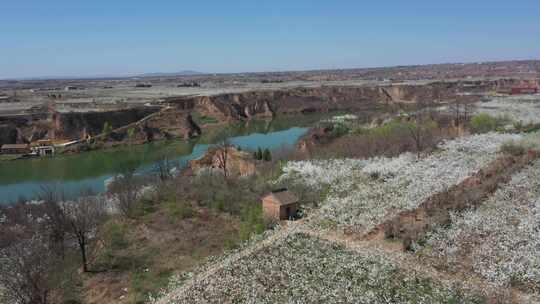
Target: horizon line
{"x":193,"y":72}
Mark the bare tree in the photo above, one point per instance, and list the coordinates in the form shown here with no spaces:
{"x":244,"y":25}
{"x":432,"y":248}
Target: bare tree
{"x":420,"y":131}
{"x":163,"y":168}
{"x":457,"y":108}
{"x":55,"y":221}
{"x":25,"y":271}
{"x":83,"y":219}
{"x":420,"y":126}
{"x":222,"y":154}
{"x":460,"y":110}
{"x":125,"y":189}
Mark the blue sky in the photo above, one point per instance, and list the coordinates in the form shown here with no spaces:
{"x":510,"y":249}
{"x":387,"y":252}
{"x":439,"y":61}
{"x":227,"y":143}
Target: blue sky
{"x":76,"y":37}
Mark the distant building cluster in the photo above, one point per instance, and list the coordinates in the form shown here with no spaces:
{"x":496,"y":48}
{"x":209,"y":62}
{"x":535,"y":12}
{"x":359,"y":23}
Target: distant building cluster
{"x":42,"y":147}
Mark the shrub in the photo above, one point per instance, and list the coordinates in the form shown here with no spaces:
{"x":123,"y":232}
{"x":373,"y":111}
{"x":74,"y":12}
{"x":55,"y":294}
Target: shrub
{"x":339,"y":129}
{"x":533,"y":128}
{"x":179,"y":210}
{"x":267,"y":156}
{"x":144,"y":206}
{"x":258,"y":155}
{"x":252,"y":221}
{"x":203,"y":119}
{"x":483,"y":123}
{"x":116,"y":253}
{"x":130,"y":134}
{"x":518,"y":126}
{"x":389,"y":139}
{"x":107,"y":128}
{"x":114,"y":235}
{"x":145,"y":282}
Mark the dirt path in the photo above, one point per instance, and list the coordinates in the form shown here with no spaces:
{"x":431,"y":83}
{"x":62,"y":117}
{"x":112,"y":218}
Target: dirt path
{"x":373,"y":246}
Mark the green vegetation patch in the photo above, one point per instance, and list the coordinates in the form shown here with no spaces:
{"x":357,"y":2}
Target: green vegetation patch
{"x":145,"y":282}
{"x":178,"y":209}
{"x":203,"y":119}
{"x":483,"y":123}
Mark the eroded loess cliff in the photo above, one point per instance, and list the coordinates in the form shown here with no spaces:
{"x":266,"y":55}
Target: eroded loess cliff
{"x":23,"y":128}
{"x":260,"y":104}
{"x":176,"y":121}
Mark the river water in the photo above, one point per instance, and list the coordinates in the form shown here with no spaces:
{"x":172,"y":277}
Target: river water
{"x":24,"y":178}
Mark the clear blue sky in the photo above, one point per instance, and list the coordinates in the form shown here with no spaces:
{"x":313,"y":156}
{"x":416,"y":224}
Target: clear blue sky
{"x":77,"y":37}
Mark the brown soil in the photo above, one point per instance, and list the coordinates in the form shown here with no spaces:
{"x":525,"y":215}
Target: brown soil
{"x":411,"y":226}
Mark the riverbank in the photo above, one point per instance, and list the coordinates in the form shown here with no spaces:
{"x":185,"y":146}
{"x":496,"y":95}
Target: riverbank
{"x":20,"y":179}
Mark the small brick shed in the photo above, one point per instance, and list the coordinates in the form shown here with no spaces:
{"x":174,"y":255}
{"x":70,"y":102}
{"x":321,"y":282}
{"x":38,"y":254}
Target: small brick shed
{"x":280,"y":204}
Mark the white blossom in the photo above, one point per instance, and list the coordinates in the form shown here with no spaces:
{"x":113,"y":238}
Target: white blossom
{"x":304,"y":269}
{"x":364,"y":192}
{"x":501,"y":238}
{"x":518,"y":108}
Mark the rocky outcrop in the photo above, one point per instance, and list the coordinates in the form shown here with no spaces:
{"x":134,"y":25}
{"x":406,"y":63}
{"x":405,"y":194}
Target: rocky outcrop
{"x":314,"y":138}
{"x":238,"y":163}
{"x":168,"y":124}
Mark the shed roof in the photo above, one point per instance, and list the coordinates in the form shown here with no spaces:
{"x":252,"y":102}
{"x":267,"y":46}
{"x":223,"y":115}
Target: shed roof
{"x":283,"y":197}
{"x":15,"y":146}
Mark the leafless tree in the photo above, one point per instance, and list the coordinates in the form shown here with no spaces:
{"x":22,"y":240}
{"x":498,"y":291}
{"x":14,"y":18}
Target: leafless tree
{"x":460,"y":111}
{"x":125,"y":189}
{"x":457,"y":109}
{"x":163,"y":168}
{"x":420,"y":130}
{"x":83,"y":218}
{"x":25,"y":271}
{"x":222,"y":154}
{"x":55,"y":221}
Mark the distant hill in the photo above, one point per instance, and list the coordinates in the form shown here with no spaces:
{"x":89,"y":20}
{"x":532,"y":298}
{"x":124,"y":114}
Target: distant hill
{"x":107,"y":76}
{"x":181,"y":73}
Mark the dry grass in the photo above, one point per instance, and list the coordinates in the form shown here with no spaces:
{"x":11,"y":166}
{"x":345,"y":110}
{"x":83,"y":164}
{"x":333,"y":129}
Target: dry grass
{"x":139,"y":255}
